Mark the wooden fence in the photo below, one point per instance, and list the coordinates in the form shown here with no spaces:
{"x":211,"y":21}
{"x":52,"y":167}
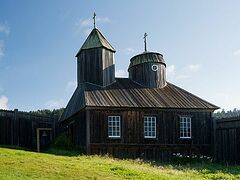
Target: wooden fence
{"x":20,"y":129}
{"x":227,"y":140}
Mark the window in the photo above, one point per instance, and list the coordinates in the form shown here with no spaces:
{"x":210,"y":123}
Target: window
{"x":114,"y":127}
{"x":154,"y":67}
{"x":149,"y":127}
{"x":185,"y":127}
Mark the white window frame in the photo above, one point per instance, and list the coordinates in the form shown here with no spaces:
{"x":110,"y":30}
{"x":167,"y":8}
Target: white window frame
{"x":185,"y":127}
{"x":148,"y":128}
{"x":114,"y":126}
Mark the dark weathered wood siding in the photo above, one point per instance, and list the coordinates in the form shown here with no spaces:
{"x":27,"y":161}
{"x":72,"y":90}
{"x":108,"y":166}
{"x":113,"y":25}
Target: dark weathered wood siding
{"x":5,"y":130}
{"x":144,"y":75}
{"x":227,"y":140}
{"x":132,"y":142}
{"x":96,"y":66}
{"x":77,"y":129}
{"x":19,"y":128}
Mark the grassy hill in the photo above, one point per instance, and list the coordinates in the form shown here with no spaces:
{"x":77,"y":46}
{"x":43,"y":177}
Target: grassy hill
{"x":19,"y":164}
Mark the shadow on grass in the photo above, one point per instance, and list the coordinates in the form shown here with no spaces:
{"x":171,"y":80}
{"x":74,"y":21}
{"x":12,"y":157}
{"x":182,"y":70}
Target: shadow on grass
{"x":212,"y":168}
{"x":204,"y":167}
{"x":16,"y":148}
{"x":65,"y":152}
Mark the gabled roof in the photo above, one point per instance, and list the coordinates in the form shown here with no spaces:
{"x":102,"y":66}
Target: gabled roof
{"x":126,"y":93}
{"x":96,"y":40}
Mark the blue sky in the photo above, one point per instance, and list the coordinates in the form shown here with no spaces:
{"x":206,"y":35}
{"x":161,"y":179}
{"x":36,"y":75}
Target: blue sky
{"x":200,"y":41}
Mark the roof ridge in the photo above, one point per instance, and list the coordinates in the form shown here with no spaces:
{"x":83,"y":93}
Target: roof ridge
{"x":95,"y":40}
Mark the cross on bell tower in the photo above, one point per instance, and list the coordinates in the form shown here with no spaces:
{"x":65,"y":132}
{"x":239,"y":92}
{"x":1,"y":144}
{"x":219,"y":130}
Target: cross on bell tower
{"x":94,"y":20}
{"x":145,"y":41}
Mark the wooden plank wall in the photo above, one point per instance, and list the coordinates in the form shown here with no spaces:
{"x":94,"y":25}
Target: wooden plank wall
{"x":102,"y":60}
{"x":227,"y":143}
{"x":167,"y":141}
{"x":77,"y":129}
{"x":19,"y":128}
{"x":143,"y":74}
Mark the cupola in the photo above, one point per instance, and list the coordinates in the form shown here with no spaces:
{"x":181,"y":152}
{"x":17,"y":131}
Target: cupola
{"x":148,"y":69}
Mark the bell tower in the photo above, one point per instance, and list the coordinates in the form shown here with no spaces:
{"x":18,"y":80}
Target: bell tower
{"x":95,"y":60}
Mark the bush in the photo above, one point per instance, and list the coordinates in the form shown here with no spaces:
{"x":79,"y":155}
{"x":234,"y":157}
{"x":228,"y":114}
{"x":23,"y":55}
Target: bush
{"x":62,"y":142}
{"x":62,"y":145}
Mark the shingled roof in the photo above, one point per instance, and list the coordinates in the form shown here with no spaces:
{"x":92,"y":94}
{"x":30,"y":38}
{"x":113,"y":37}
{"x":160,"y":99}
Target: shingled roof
{"x":95,"y":40}
{"x":126,"y":93}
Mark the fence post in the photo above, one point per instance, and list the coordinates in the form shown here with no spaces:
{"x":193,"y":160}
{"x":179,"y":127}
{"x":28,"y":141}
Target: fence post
{"x":17,"y":126}
{"x":88,"y":141}
{"x":15,"y":129}
{"x":214,"y":140}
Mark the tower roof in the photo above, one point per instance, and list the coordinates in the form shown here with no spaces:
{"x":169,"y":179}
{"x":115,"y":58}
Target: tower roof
{"x":146,"y":57}
{"x":96,"y":40}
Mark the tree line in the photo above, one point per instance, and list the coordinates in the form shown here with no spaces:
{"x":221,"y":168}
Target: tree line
{"x":227,"y":114}
{"x":58,"y":112}
{"x":50,"y":113}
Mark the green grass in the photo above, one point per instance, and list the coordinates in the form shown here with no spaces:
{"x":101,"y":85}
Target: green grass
{"x":20,"y":164}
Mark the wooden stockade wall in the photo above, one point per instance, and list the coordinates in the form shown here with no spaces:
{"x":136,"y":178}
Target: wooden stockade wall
{"x":227,"y":140}
{"x":19,"y":129}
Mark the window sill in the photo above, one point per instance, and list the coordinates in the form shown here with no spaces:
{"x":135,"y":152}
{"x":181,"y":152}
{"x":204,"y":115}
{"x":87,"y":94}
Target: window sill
{"x":114,"y":137}
{"x":150,"y":137}
{"x":182,"y":138}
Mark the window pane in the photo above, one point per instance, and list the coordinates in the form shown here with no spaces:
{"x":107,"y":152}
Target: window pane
{"x":150,"y":127}
{"x":185,"y":127}
{"x":114,"y":126}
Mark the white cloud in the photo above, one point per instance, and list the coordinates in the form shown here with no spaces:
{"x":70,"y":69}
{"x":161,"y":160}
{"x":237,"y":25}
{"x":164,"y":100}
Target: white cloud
{"x":193,"y":67}
{"x":71,"y":86}
{"x":121,"y":73}
{"x":86,"y":25}
{"x":54,"y":104}
{"x":85,"y":22}
{"x":89,"y":22}
{"x":103,"y":20}
{"x":171,"y":71}
{"x":4,"y":28}
{"x":183,"y":76}
{"x":237,"y":52}
{"x":1,"y":48}
{"x":59,"y":103}
{"x":186,"y":72}
{"x":3,"y":102}
{"x":129,"y":50}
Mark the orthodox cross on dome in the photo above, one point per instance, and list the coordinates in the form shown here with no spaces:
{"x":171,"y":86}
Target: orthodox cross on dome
{"x":145,"y":41}
{"x":94,"y":20}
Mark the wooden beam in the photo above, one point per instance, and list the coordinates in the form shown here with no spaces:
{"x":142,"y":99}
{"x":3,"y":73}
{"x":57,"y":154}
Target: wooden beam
{"x":38,"y":141}
{"x":88,"y":131}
